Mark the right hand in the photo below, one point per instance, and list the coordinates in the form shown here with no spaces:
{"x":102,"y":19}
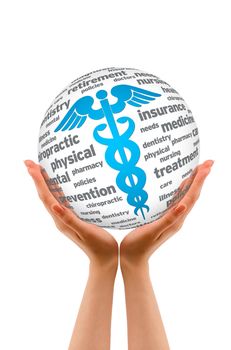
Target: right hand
{"x":140,"y":243}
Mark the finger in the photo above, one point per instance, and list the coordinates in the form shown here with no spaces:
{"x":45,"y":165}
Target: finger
{"x":163,"y":238}
{"x":188,"y":200}
{"x":167,"y":223}
{"x":70,"y":219}
{"x":195,"y":189}
{"x":153,"y":230}
{"x":168,"y":229}
{"x":169,"y":219}
{"x":161,"y":229}
{"x":47,"y":198}
{"x":43,"y":191}
{"x":181,"y":191}
{"x":185,"y":184}
{"x":156,"y":228}
{"x":54,"y":188}
{"x":44,"y":194}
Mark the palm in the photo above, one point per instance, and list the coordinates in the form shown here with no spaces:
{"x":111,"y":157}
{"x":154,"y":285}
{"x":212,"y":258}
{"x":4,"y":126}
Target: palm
{"x":144,"y":240}
{"x":94,"y":240}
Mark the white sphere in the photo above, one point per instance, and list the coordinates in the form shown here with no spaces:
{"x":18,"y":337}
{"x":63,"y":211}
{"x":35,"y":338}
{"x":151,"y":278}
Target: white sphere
{"x":116,"y":144}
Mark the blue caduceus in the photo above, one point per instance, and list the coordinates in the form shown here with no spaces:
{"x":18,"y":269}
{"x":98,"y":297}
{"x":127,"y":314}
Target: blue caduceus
{"x":117,"y":143}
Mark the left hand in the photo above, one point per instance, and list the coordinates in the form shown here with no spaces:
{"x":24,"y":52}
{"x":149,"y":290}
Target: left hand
{"x":97,"y":243}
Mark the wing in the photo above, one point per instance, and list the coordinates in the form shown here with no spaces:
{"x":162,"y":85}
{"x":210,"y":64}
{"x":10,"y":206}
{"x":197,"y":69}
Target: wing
{"x":78,"y":113}
{"x":132,"y":95}
{"x":70,"y":121}
{"x":76,"y":116}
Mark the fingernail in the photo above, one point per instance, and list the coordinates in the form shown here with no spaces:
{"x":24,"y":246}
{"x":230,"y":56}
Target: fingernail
{"x":209,"y":163}
{"x":180,"y":209}
{"x":28,"y":163}
{"x":58,"y":209}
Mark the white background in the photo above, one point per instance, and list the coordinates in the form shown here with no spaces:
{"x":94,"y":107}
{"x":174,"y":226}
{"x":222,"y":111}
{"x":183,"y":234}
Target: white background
{"x":44,"y":46}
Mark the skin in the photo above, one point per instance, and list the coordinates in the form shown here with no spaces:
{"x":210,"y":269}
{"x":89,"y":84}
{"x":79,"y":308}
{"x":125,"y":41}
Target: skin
{"x":93,"y":323}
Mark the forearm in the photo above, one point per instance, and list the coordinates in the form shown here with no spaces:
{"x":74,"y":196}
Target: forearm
{"x":93,"y":323}
{"x":144,"y":323}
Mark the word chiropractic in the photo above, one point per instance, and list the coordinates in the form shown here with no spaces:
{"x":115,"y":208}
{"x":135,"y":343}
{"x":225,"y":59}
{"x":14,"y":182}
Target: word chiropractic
{"x":68,"y":141}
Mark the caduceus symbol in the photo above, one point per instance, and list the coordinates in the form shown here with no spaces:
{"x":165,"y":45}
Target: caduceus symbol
{"x":82,"y":108}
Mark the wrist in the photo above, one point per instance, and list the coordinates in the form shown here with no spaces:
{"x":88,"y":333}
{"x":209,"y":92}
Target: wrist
{"x":102,"y":267}
{"x":131,"y":266}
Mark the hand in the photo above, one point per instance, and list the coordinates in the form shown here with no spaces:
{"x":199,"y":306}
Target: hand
{"x":140,"y":243}
{"x":97,"y":243}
